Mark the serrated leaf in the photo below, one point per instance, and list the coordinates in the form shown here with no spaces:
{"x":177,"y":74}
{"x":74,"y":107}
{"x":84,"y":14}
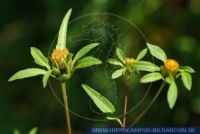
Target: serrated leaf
{"x":33,"y":131}
{"x":46,"y":78}
{"x":142,"y":54}
{"x":87,"y":62}
{"x":172,"y":94}
{"x":157,"y":52}
{"x":115,"y":62}
{"x":187,"y":80}
{"x":83,"y":52}
{"x":62,"y":35}
{"x":30,"y":72}
{"x":101,"y":102}
{"x":186,"y":69}
{"x":120,"y":55}
{"x":117,"y":73}
{"x":146,"y":66}
{"x":39,"y":58}
{"x":16,"y":131}
{"x":151,"y":77}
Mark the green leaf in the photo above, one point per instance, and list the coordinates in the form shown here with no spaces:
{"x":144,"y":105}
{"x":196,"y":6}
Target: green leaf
{"x":83,"y":52}
{"x":146,"y":66}
{"x":172,"y":94}
{"x":39,"y":58}
{"x":114,"y":118}
{"x":120,"y":55}
{"x":46,"y":77}
{"x":186,"y":69}
{"x":101,"y":102}
{"x":118,"y":73}
{"x":87,"y":62}
{"x":115,"y":62}
{"x":187,"y":80}
{"x":151,"y":77}
{"x":16,"y":132}
{"x":27,"y":73}
{"x":142,"y":54}
{"x":33,"y":131}
{"x":157,"y":52}
{"x":62,"y":35}
{"x":69,"y":57}
{"x":169,"y":79}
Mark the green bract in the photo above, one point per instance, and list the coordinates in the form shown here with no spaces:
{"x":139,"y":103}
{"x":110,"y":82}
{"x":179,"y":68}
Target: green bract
{"x":183,"y":71}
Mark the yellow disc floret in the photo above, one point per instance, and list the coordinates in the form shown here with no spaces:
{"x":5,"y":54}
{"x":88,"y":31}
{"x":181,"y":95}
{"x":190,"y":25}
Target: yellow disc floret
{"x":58,"y":57}
{"x":130,"y":61}
{"x":171,"y":66}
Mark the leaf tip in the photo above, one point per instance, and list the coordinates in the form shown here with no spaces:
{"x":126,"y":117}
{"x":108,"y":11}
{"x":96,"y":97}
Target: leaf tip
{"x":100,"y":62}
{"x":189,"y":88}
{"x":70,"y":10}
{"x":141,"y":81}
{"x":10,"y":79}
{"x":32,"y":48}
{"x":148,"y":44}
{"x":171,"y":106}
{"x":96,"y":44}
{"x":44,"y":85}
{"x":83,"y":86}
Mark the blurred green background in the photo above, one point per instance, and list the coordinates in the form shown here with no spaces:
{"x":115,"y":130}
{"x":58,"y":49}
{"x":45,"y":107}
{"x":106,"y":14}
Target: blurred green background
{"x":171,"y":24}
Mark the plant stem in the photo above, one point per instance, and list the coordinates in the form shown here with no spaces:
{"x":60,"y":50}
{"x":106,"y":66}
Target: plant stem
{"x":125,"y":105}
{"x":125,"y":109}
{"x":63,"y":86}
{"x":149,"y":106}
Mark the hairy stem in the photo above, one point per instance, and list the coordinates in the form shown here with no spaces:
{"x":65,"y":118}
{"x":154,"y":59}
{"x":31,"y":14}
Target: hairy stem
{"x":63,"y":86}
{"x":149,"y":106}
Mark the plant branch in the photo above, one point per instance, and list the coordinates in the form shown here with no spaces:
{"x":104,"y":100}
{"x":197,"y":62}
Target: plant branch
{"x":149,"y":106}
{"x":63,"y":86}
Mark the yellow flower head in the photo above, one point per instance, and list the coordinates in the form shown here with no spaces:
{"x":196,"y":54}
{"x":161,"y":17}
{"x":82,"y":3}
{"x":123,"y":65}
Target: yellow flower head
{"x":58,"y":57}
{"x":171,"y":66}
{"x":130,"y":61}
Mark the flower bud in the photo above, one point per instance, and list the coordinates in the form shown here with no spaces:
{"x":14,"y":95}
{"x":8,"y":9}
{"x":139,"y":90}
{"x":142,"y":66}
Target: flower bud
{"x":58,"y":57}
{"x":171,"y":66}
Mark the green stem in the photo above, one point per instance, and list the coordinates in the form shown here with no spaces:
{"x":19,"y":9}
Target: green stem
{"x":63,"y":86}
{"x":149,"y":106}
